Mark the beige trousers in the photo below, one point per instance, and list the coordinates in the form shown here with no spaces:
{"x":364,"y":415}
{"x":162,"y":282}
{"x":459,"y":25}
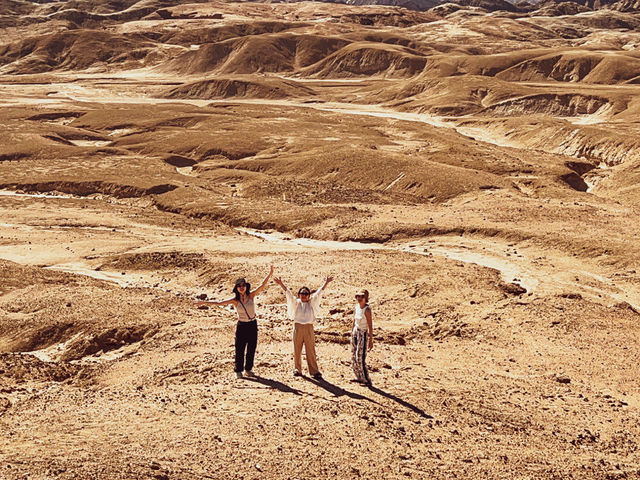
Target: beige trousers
{"x":303,"y":335}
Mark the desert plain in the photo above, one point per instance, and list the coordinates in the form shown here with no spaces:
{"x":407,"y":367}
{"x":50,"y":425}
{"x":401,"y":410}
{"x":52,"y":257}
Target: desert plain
{"x":475,"y":166}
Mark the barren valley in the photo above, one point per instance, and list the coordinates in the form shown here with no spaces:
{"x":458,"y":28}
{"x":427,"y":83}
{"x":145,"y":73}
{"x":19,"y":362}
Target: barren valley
{"x":474,"y":165}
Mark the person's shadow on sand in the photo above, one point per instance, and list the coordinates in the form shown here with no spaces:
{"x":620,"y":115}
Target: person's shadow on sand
{"x":275,"y":384}
{"x":400,"y":401}
{"x":336,"y":390}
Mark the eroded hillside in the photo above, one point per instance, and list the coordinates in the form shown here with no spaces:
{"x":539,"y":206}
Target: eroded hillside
{"x":473,"y":164}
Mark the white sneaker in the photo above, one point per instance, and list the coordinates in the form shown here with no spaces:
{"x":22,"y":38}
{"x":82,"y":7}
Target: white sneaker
{"x":249,"y":373}
{"x":239,"y":375}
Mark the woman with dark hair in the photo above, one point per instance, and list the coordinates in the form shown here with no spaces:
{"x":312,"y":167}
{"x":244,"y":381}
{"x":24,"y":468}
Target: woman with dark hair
{"x":361,"y":337}
{"x":302,"y":311}
{"x":247,"y":327}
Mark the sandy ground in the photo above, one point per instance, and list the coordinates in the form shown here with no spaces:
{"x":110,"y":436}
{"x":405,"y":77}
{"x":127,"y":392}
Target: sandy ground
{"x":477,"y":173}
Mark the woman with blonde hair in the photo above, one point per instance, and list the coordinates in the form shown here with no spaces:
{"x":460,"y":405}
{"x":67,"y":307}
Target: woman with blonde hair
{"x":362,"y":337}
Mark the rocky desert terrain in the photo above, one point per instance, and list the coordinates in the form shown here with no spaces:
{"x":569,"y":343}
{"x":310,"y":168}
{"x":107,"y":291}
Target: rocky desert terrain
{"x":475,"y":165}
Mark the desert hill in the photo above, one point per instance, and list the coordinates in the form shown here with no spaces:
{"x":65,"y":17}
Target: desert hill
{"x":362,"y":58}
{"x":579,"y":66}
{"x":620,"y":5}
{"x":256,"y":53}
{"x":72,"y":50}
{"x":474,"y":165}
{"x":213,"y":34}
{"x":419,"y":5}
{"x":553,"y":9}
{"x":239,"y":87}
{"x":488,"y":5}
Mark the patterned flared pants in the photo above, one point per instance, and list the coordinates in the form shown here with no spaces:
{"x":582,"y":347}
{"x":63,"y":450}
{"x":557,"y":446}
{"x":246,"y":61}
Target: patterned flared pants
{"x":359,"y":355}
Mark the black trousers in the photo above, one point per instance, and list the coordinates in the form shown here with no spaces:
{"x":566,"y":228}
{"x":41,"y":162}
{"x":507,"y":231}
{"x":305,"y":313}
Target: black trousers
{"x":246,"y":339}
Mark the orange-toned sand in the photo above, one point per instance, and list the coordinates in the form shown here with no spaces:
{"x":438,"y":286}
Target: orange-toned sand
{"x":475,"y":167}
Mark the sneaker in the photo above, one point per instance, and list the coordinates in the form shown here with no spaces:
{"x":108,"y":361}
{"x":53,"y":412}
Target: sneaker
{"x":249,"y":373}
{"x":296,"y":373}
{"x":239,"y":375}
{"x":317,"y":376}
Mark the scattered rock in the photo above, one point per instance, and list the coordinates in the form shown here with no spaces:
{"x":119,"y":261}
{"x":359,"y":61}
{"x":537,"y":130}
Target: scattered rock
{"x":625,"y":306}
{"x":573,"y":296}
{"x":512,"y":289}
{"x":5,"y":403}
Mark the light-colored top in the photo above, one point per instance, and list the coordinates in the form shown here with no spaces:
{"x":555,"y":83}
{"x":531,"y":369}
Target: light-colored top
{"x":303,"y":312}
{"x":360,"y":317}
{"x":250,"y":314}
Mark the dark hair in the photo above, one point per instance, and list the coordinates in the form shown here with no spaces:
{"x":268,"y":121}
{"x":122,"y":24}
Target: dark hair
{"x":304,"y":288}
{"x":247,"y":291}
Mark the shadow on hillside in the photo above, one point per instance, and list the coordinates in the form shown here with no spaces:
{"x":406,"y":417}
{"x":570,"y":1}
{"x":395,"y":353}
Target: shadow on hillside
{"x":400,"y":401}
{"x":276,"y":385}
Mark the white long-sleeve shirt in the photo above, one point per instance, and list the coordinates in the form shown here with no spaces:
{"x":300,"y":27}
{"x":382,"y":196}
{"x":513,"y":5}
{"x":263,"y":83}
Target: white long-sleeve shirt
{"x":303,"y":312}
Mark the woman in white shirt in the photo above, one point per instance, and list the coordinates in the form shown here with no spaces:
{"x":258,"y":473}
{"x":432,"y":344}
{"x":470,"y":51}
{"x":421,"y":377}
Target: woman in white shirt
{"x":362,"y":337}
{"x":302,"y":311}
{"x":247,"y":327}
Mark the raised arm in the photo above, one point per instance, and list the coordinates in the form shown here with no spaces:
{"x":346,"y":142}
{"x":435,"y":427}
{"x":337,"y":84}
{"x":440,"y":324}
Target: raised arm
{"x":230,"y":301}
{"x":279,"y":282}
{"x":291,"y":299}
{"x":264,"y":283}
{"x":324,"y":285}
